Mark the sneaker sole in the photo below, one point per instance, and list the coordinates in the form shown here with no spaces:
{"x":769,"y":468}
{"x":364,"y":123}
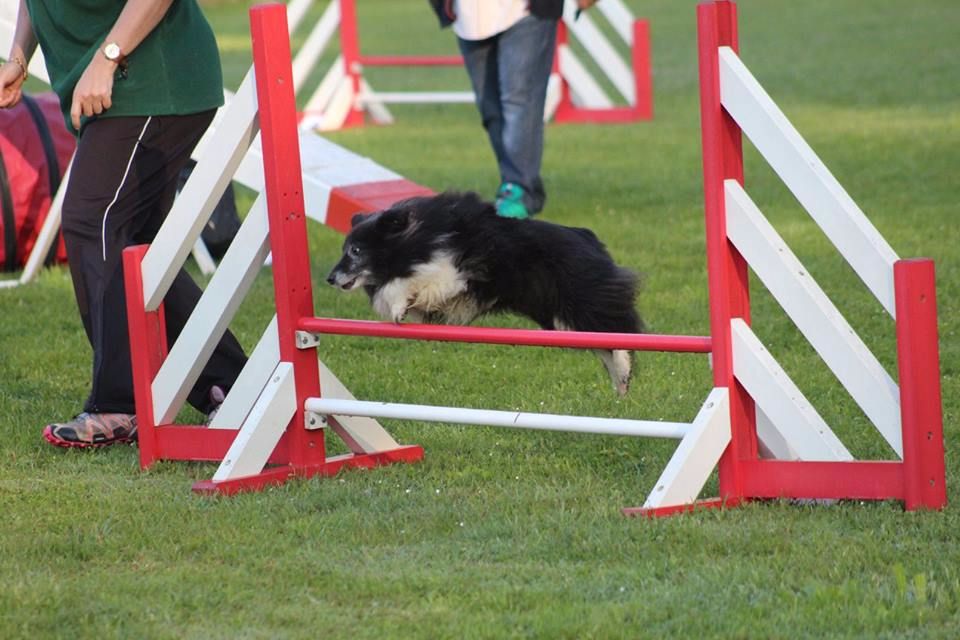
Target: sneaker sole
{"x":70,"y":444}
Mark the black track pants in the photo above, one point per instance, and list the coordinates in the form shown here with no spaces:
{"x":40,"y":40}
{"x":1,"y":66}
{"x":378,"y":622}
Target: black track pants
{"x":122,"y":185}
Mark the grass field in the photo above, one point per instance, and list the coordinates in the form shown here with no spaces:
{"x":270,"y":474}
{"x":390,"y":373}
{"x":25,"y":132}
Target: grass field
{"x":514,"y":534}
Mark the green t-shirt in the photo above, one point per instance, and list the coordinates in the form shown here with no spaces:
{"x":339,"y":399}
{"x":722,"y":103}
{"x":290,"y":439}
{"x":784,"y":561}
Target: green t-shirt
{"x":174,"y":71}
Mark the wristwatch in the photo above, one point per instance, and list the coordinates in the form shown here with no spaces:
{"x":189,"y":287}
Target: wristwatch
{"x":112,"y":52}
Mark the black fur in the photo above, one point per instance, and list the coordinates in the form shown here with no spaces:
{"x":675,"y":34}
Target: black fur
{"x":560,"y":277}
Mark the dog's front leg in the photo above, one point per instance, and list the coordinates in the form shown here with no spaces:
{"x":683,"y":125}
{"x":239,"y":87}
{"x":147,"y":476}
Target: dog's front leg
{"x":392,"y":300}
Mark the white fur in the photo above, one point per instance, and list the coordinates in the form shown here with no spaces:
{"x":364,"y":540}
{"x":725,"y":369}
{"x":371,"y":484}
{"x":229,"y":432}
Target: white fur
{"x":435,"y":287}
{"x":617,"y":362}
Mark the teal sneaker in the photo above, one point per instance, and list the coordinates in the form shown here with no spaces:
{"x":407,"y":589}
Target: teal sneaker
{"x":510,"y":201}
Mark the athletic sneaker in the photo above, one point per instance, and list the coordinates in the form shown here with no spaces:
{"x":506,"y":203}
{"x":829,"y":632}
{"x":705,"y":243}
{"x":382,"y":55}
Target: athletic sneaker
{"x":93,"y":430}
{"x":510,"y":201}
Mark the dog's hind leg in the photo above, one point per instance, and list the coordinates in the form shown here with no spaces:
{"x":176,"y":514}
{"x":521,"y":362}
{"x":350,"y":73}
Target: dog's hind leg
{"x":619,"y":364}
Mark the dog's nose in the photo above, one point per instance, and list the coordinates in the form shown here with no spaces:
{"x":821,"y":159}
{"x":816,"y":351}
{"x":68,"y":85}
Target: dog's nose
{"x":330,"y":279}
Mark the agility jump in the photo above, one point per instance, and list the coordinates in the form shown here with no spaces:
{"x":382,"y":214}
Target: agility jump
{"x":573,"y":94}
{"x":271,"y":427}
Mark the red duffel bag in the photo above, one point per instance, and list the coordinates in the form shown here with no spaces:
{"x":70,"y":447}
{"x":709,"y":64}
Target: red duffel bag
{"x":35,"y":148}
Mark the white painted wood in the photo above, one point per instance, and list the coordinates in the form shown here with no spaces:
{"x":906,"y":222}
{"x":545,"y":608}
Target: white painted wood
{"x":192,"y":208}
{"x":263,"y":428}
{"x":367,"y":99}
{"x":805,"y":175}
{"x":315,"y":44}
{"x":335,"y":112}
{"x":789,"y":412}
{"x":361,"y":433}
{"x":48,"y":232}
{"x":320,"y":99}
{"x":696,"y":455}
{"x":377,"y":110}
{"x":201,"y":255}
{"x":585,"y":91}
{"x":251,"y":381}
{"x":296,"y":10}
{"x":815,"y":316}
{"x":553,"y":97}
{"x":212,"y":315}
{"x":619,"y":17}
{"x":771,"y":445}
{"x":488,"y":417}
{"x":596,"y":44}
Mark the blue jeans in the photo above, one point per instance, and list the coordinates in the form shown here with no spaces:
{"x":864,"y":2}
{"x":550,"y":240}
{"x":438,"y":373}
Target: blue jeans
{"x":509,"y":73}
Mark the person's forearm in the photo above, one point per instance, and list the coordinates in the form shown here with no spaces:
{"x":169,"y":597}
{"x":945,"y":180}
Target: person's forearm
{"x":135,"y":22}
{"x":24,"y":42}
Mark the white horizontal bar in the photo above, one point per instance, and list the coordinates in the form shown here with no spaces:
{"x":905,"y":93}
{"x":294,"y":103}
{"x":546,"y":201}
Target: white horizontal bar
{"x":417,"y":97}
{"x":811,"y":183}
{"x":489,"y":417}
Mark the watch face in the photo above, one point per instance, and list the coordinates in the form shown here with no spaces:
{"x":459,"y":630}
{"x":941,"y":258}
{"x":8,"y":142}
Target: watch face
{"x":112,"y":51}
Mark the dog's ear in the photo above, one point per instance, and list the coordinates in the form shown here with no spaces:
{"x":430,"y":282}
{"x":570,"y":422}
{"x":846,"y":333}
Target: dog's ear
{"x":394,"y":220}
{"x":357,"y":219}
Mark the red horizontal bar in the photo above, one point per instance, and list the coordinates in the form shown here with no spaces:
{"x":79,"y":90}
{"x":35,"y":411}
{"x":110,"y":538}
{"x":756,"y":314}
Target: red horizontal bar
{"x":855,"y":480}
{"x":519,"y":337}
{"x":411,"y":61}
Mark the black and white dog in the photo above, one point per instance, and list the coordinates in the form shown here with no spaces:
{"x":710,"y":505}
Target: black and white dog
{"x":450,"y":258}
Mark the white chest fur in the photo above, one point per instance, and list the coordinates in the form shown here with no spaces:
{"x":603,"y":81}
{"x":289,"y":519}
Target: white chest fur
{"x":435,"y":287}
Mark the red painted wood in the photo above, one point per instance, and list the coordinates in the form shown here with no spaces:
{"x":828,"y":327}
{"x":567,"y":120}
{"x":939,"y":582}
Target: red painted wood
{"x":148,"y":349}
{"x":661,"y":512}
{"x":494,"y":335}
{"x":856,"y":480}
{"x":347,"y":201}
{"x":918,"y":361}
{"x":283,"y":186}
{"x":642,"y":74}
{"x":726,"y":269}
{"x":567,"y":112}
{"x":278,"y":475}
{"x":350,"y":50}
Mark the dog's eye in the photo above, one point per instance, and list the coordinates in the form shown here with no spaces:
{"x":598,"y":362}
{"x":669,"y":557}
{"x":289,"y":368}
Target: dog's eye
{"x":354,"y":250}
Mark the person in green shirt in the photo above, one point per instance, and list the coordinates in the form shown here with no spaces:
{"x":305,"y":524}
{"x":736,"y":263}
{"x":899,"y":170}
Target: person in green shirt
{"x":139,"y":82}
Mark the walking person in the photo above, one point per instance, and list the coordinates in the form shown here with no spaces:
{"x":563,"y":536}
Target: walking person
{"x":139,"y":82}
{"x":508,"y":48}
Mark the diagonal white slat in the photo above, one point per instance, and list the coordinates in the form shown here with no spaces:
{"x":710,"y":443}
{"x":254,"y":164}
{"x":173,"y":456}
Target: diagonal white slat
{"x":696,"y":456}
{"x":854,"y":365}
{"x":808,"y":179}
{"x":586,"y":91}
{"x":794,"y":419}
{"x":596,"y":44}
{"x":619,"y":17}
{"x":251,"y":381}
{"x":213,"y":313}
{"x":227,"y":146}
{"x":260,"y":433}
{"x":315,"y":44}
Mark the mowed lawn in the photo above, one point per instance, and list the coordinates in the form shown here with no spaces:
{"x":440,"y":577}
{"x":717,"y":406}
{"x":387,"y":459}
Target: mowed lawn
{"x":499,"y":533}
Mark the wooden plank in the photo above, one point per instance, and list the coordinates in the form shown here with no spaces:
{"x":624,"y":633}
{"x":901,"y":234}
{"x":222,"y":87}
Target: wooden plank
{"x":696,"y":455}
{"x":805,"y":175}
{"x":795,"y":420}
{"x":857,"y":369}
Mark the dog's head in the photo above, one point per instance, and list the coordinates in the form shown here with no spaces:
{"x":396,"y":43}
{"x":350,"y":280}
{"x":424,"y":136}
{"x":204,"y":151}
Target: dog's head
{"x":391,"y":243}
{"x":368,"y":246}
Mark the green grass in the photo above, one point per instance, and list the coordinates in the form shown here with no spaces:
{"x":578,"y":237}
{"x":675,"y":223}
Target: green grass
{"x":518,"y":534}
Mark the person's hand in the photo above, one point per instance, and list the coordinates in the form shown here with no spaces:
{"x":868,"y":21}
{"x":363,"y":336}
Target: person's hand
{"x":11,"y":83}
{"x":93,"y":91}
{"x":585,"y":4}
